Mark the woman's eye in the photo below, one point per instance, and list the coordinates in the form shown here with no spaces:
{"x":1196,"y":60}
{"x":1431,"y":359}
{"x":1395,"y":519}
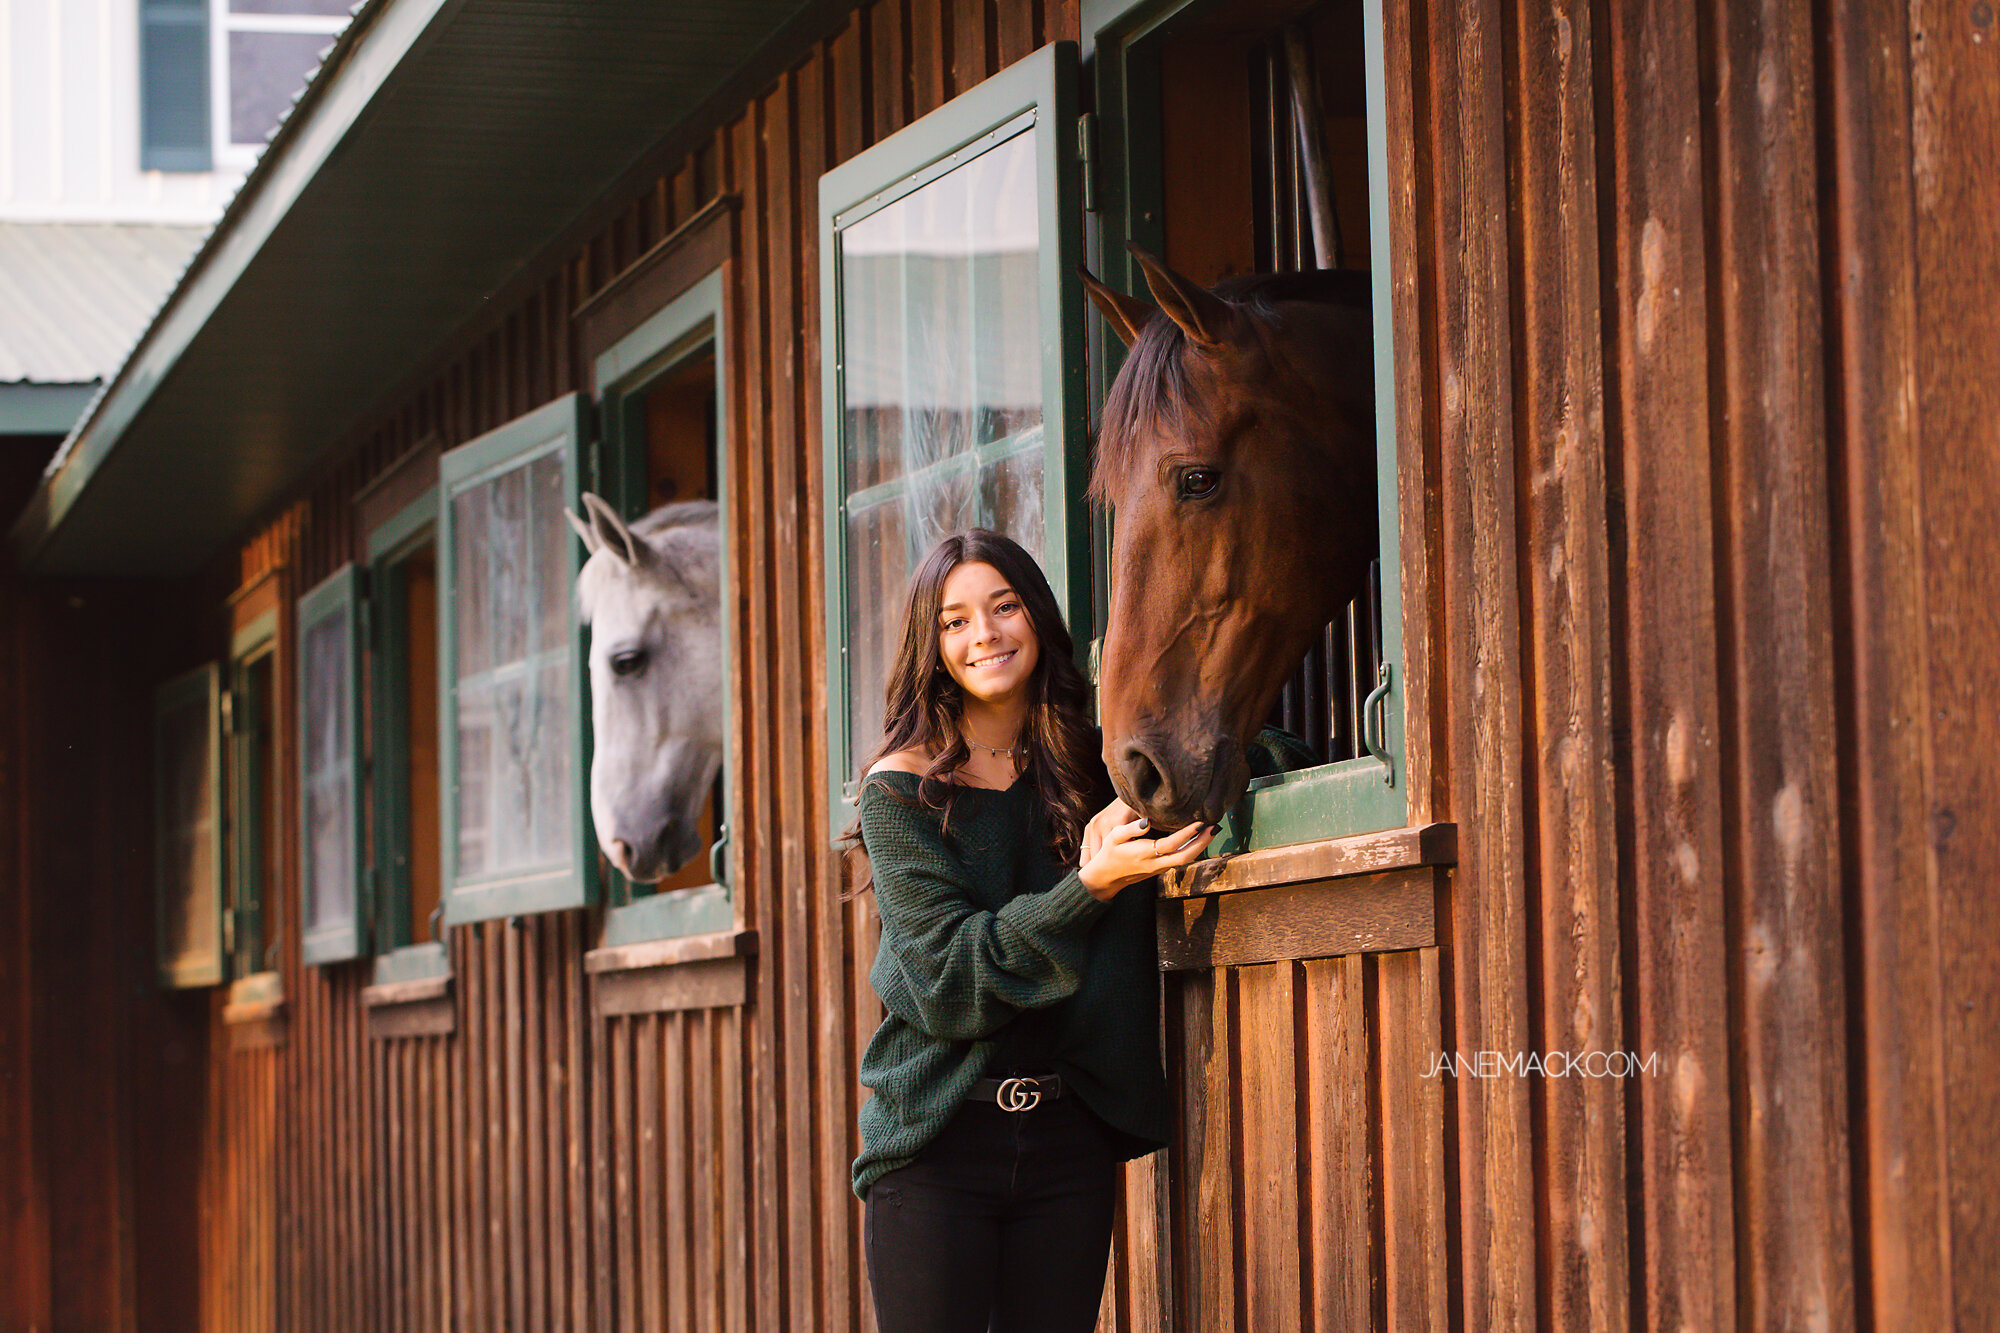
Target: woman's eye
{"x":1198,"y":483}
{"x":628,"y":663}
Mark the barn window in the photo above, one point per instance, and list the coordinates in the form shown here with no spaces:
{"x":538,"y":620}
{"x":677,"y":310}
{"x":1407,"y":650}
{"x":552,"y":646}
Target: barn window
{"x":188,"y":854}
{"x":329,"y":752}
{"x":514,"y":824}
{"x":953,"y":394}
{"x":1201,"y":113}
{"x":662,"y":407}
{"x":250,"y":717}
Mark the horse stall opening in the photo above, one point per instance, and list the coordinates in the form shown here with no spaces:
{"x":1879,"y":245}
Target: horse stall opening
{"x":1662,"y":730}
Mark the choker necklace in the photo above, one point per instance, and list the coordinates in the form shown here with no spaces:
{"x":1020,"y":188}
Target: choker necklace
{"x":994,"y":750}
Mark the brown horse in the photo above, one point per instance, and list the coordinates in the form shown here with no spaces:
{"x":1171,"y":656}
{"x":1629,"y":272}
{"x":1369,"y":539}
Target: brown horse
{"x":1236,"y":453}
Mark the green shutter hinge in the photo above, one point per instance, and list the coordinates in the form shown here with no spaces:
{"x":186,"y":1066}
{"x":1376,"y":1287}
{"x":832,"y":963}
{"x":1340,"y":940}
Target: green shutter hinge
{"x":228,"y":931}
{"x":1086,"y":153}
{"x":229,"y":712}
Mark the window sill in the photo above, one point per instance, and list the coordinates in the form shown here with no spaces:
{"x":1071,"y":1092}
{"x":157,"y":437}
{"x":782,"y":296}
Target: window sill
{"x":1370,"y":893}
{"x":255,"y":1012}
{"x":665,"y":976}
{"x":412,"y":994}
{"x":1334,"y":858}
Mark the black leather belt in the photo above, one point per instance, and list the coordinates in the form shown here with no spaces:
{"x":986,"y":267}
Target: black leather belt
{"x":1019,"y":1093}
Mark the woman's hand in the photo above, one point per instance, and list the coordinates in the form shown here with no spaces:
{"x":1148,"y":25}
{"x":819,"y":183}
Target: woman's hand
{"x":1117,"y":854}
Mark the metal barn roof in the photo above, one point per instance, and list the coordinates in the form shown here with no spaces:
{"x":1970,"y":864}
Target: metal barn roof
{"x":442,"y":146}
{"x":75,"y":296}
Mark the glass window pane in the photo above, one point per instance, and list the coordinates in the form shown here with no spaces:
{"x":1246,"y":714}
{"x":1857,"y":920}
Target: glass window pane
{"x":189,"y":801}
{"x":515,"y":800}
{"x":329,"y":785}
{"x":265,"y":69}
{"x":942,"y":378}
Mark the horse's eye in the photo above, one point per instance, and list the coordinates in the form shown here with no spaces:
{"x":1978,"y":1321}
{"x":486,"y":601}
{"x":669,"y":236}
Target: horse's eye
{"x":628,"y":663}
{"x":1198,"y":483}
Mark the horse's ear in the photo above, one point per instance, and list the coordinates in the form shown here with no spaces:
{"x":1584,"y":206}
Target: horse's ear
{"x":612,"y":534}
{"x":1125,"y":314}
{"x":583,"y":530}
{"x":1205,"y":317}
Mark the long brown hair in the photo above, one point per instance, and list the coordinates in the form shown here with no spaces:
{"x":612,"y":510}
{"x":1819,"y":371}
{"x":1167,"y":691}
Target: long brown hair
{"x":923,"y":704}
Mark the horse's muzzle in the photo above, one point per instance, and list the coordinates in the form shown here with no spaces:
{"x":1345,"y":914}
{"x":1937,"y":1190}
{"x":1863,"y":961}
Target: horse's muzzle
{"x":1173,"y":788}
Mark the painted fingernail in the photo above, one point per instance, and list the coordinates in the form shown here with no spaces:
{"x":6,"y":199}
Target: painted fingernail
{"x":1144,"y":823}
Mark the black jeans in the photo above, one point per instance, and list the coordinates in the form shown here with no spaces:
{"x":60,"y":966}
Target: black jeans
{"x":1004,"y":1217}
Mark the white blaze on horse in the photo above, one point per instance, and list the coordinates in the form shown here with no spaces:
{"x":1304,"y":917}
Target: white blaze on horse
{"x":651,"y":594}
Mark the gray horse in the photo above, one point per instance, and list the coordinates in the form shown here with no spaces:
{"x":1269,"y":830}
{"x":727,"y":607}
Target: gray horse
{"x":652,"y":597}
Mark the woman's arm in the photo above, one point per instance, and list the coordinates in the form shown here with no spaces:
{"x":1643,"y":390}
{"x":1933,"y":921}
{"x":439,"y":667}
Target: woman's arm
{"x":948,"y":967}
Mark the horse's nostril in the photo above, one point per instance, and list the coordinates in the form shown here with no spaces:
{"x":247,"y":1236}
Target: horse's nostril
{"x":621,"y":856}
{"x":1142,"y":775}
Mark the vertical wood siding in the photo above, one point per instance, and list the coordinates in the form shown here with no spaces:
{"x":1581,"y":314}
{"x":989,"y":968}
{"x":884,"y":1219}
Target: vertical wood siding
{"x":1702,"y":671}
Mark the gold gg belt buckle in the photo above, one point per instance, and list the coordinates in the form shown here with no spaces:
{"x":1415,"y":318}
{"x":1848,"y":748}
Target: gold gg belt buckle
{"x":1019,"y":1094}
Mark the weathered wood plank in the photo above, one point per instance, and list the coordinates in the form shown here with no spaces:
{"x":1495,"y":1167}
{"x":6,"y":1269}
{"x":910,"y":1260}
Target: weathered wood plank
{"x":1782,"y":843}
{"x":1872,"y":329}
{"x":696,"y":985}
{"x":791,"y":733}
{"x":1955,"y":82}
{"x":649,"y":1171}
{"x":1658,"y":417}
{"x":1559,"y":388}
{"x":928,"y":56}
{"x":838,"y":1224}
{"x":1268,"y":1132}
{"x":889,"y":92}
{"x":1368,"y":913}
{"x":1363,"y":853}
{"x":676,"y":1198}
{"x":1336,"y":1239}
{"x":1407,"y":1035}
{"x":1200,"y":1039}
{"x":626,"y":1208}
{"x":756,"y":757}
{"x":1488,"y":927}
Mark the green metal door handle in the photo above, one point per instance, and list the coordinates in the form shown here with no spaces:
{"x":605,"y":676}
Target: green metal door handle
{"x":1374,"y":724}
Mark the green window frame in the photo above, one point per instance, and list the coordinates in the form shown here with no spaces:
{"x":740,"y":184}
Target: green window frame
{"x":246,"y":935}
{"x":330,"y":632}
{"x":1352,"y":796}
{"x":400,"y":954}
{"x":188,"y":829}
{"x":685,"y":328}
{"x":561,"y":875}
{"x":1038,"y":93}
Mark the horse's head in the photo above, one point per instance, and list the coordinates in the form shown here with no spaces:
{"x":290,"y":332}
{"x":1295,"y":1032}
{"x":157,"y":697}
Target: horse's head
{"x":1235,"y":455}
{"x":651,"y":595}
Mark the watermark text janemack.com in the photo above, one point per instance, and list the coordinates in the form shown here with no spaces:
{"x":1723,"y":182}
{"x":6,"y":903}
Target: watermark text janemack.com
{"x":1547,"y":1064}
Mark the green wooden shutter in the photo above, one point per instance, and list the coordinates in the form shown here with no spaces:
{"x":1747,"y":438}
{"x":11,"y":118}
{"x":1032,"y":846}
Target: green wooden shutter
{"x":952,"y":316}
{"x":174,"y":132}
{"x":188,"y":845}
{"x":332,"y":889}
{"x":513,"y":728}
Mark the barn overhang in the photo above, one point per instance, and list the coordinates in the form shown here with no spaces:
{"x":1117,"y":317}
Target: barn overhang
{"x":443,"y":145}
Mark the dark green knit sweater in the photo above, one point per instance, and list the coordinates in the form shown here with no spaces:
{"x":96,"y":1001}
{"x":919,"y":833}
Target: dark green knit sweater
{"x":979,"y":926}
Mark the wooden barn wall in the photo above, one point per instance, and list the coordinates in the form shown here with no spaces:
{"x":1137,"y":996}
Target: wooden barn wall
{"x":101,"y":1094}
{"x":1699,"y":462}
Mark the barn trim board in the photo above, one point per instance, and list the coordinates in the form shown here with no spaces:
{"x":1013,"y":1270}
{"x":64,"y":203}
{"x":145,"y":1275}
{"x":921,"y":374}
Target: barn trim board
{"x":1687,"y":456}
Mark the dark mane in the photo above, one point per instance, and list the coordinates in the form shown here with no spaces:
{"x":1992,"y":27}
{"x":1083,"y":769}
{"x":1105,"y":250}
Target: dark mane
{"x":1152,"y":391}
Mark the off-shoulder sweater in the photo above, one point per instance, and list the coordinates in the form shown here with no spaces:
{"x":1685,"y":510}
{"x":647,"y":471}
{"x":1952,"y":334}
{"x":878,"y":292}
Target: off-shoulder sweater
{"x":980,"y":925}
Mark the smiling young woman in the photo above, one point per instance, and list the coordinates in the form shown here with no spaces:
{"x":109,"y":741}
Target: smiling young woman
{"x":1018,"y":1058}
